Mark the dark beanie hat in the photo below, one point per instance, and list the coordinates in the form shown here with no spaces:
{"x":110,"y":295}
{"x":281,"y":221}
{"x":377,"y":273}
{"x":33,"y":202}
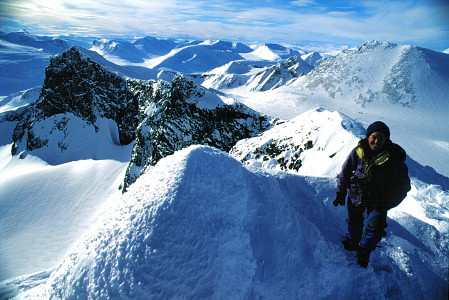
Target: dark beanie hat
{"x":378,"y":127}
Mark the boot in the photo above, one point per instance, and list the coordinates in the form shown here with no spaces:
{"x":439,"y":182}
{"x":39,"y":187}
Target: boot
{"x":349,"y":244}
{"x":363,"y":257}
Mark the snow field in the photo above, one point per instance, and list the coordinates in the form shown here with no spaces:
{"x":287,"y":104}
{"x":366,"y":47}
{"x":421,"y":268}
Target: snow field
{"x":44,"y":210}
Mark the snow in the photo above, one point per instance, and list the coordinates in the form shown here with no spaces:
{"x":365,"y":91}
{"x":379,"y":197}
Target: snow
{"x":19,"y":99}
{"x":332,"y":135}
{"x":50,"y":197}
{"x":57,"y":204}
{"x":72,"y":139}
{"x":203,"y":224}
{"x":200,"y":225}
{"x":207,"y":101}
{"x":262,"y":52}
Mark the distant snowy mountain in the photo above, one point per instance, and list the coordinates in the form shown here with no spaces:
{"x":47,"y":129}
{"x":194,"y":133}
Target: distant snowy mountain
{"x":24,"y":38}
{"x":254,"y":76}
{"x":154,"y":47}
{"x":25,"y":56}
{"x":313,"y":58}
{"x":113,"y":50}
{"x":196,"y":59}
{"x":403,"y":77}
{"x":23,"y":59}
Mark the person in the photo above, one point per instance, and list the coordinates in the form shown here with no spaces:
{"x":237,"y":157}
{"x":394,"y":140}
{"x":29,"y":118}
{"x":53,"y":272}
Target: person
{"x":375,"y":178}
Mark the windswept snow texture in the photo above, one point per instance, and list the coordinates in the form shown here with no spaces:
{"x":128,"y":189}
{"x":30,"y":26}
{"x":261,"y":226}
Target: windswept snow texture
{"x":200,"y":225}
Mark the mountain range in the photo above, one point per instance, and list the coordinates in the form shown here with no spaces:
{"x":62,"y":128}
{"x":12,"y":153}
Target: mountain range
{"x":206,"y":169}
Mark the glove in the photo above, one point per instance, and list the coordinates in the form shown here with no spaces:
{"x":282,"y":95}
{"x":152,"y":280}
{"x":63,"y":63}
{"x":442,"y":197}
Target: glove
{"x":340,"y":199}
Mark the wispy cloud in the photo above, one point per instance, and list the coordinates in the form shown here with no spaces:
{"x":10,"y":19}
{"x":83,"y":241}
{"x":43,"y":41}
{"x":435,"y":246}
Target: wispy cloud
{"x":302,"y":2}
{"x":403,"y":21}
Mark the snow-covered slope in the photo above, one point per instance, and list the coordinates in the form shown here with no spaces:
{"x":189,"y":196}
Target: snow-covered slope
{"x":23,"y":58}
{"x":315,"y":143}
{"x":19,"y":99}
{"x":119,"y":51}
{"x":200,"y":225}
{"x":44,"y":209}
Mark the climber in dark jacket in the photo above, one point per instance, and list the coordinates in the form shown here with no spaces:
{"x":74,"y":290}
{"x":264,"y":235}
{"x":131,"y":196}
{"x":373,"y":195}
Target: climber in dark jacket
{"x":376,"y":177}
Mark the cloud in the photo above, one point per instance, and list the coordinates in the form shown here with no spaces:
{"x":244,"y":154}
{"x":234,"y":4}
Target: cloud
{"x":403,"y":21}
{"x":303,"y":2}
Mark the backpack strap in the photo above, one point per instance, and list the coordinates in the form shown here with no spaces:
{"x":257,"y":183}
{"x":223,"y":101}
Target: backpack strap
{"x":378,"y":160}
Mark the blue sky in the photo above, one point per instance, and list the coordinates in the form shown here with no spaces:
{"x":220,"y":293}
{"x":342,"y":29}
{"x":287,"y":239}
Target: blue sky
{"x":337,"y":23}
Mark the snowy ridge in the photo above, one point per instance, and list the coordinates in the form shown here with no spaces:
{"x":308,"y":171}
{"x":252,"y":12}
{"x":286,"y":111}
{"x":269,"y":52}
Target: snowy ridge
{"x":199,"y":225}
{"x":314,"y":144}
{"x":313,"y":58}
{"x":254,"y":76}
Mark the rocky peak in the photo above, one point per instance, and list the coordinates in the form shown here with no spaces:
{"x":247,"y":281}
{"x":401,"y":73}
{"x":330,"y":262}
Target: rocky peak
{"x":75,"y":83}
{"x":281,"y":73}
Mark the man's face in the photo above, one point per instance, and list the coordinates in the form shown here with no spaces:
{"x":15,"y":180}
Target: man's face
{"x":376,"y":141}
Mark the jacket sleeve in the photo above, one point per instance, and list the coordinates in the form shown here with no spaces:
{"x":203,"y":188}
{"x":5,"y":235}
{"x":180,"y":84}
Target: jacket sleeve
{"x":348,"y":168}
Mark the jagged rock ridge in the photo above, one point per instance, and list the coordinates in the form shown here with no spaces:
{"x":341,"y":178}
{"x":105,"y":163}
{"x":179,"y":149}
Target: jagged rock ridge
{"x":171,"y":120}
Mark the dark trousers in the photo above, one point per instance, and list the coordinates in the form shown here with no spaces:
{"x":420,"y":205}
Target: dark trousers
{"x":370,"y":235}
